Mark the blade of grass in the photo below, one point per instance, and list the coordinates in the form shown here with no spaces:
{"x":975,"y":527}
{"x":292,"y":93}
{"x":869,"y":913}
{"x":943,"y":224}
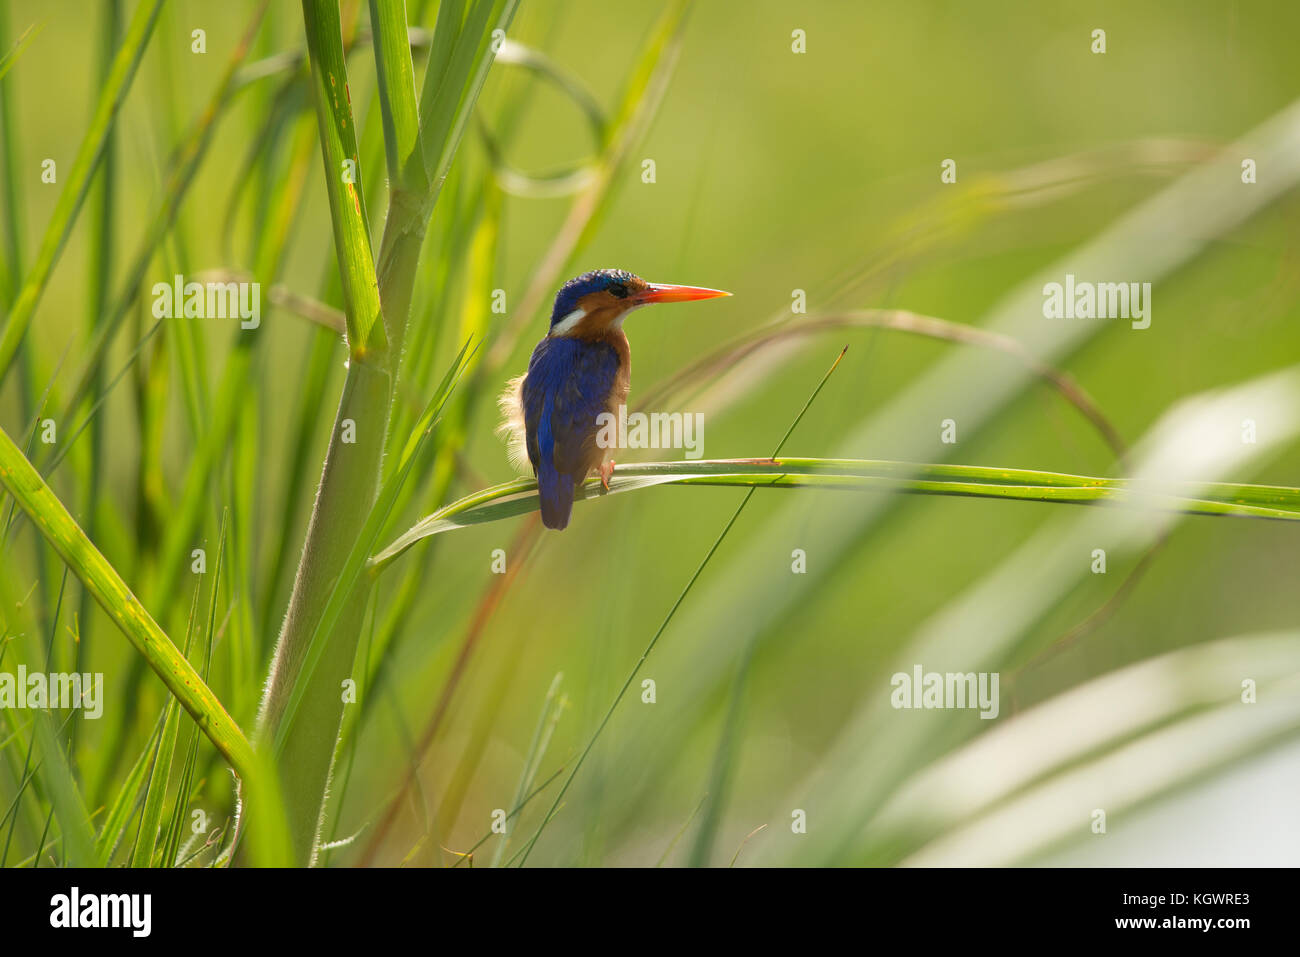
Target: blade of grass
{"x":751,"y":346}
{"x":513,"y":812}
{"x":171,"y":846}
{"x":549,"y":717}
{"x":99,"y":283}
{"x":401,"y":118}
{"x":78,"y":179}
{"x":343,"y":184}
{"x":189,"y":156}
{"x":56,"y":772}
{"x":1215,"y":498}
{"x":14,"y":52}
{"x":156,"y":789}
{"x":58,"y":527}
{"x":13,"y":220}
{"x":128,"y":799}
{"x":142,"y":854}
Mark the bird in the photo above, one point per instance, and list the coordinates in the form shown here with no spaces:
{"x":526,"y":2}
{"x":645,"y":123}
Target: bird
{"x":579,"y":370}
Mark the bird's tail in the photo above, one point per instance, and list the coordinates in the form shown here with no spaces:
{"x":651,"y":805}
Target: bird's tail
{"x":556,"y":493}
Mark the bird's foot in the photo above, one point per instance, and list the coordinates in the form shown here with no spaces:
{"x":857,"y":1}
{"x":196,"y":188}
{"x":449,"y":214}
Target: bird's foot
{"x":606,"y":470}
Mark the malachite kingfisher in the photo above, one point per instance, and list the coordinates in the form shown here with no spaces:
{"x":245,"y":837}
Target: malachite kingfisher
{"x":581,"y":369}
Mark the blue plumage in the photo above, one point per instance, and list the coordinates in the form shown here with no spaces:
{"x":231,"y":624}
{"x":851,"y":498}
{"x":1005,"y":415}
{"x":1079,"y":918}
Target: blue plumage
{"x":568,"y":385}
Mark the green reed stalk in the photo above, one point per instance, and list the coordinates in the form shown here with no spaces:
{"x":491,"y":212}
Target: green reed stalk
{"x":377,"y":296}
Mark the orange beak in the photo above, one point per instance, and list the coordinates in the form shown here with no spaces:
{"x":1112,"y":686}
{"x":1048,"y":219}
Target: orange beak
{"x":661,"y":292}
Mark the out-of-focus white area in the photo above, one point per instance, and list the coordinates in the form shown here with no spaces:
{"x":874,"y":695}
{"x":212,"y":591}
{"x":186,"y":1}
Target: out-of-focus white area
{"x":1248,"y":816}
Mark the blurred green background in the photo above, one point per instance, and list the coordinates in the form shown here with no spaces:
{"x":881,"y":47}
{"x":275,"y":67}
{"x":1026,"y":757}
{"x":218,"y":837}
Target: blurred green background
{"x":775,"y":171}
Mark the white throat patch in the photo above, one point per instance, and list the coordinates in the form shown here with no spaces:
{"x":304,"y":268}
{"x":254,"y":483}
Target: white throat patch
{"x":567,"y":324}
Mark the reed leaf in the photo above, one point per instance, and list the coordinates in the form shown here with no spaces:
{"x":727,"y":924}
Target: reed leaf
{"x":1213,"y":498}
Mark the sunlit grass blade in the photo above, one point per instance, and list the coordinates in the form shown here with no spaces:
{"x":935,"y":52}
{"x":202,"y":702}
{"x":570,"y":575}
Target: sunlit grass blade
{"x":57,"y":526}
{"x":146,"y":835}
{"x":143,"y":854}
{"x":455,"y":76}
{"x":343,"y":183}
{"x":571,"y":177}
{"x":401,"y":114}
{"x":11,"y":263}
{"x":1217,"y":498}
{"x":320,"y":361}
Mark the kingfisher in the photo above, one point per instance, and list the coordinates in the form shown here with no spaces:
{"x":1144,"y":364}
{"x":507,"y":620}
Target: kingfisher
{"x":581,"y":369}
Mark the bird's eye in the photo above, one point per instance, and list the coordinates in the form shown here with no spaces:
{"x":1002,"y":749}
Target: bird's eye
{"x":618,"y":290}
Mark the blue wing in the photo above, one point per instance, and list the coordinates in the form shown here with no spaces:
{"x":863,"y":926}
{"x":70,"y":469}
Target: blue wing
{"x":568,"y":385}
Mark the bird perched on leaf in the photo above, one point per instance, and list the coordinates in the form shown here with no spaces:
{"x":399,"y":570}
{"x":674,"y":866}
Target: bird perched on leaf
{"x":581,"y":369}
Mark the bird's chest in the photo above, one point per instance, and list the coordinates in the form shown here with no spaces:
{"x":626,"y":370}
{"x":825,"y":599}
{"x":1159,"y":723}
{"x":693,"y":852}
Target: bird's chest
{"x":572,"y":381}
{"x":602,"y":370}
{"x":623,"y":374}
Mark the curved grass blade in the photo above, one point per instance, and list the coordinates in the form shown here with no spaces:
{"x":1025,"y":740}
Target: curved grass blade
{"x":59,"y":528}
{"x":570,"y":178}
{"x":1216,"y":498}
{"x":752,"y":346}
